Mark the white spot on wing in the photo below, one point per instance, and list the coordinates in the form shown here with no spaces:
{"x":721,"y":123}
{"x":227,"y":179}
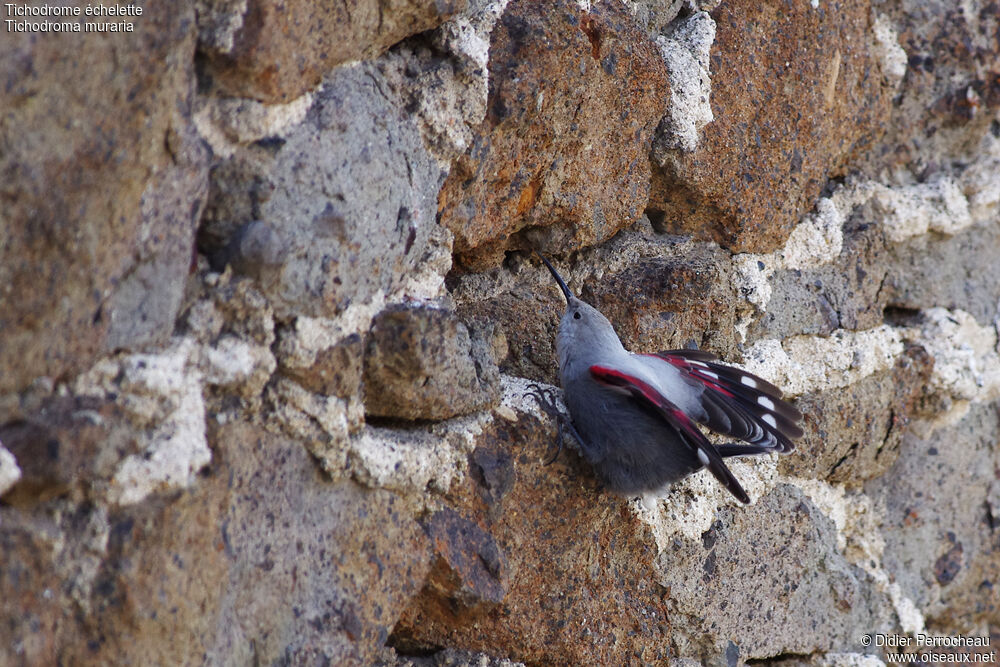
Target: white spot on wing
{"x":769,"y":419}
{"x":714,"y":376}
{"x":748,"y":381}
{"x":702,"y":456}
{"x":766,"y":402}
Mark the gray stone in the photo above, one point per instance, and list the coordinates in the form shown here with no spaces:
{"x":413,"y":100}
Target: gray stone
{"x":950,"y":93}
{"x":338,"y":209}
{"x":266,"y":560}
{"x":442,"y":76}
{"x":848,"y":293}
{"x":655,"y":15}
{"x":769,"y":580}
{"x":422,"y":363}
{"x":951,"y":272}
{"x":143,"y":308}
{"x":253,"y":248}
{"x":940,"y":543}
{"x":853,"y":434}
{"x":316,"y":570}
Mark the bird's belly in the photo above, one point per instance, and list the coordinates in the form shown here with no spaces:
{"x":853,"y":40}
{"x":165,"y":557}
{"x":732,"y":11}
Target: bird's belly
{"x":632,"y":449}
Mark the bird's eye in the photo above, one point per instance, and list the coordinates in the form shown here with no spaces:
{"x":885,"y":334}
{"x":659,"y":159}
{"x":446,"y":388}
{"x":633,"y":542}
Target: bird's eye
{"x":576,"y":315}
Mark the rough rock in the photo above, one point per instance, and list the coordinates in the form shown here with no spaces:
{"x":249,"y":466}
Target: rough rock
{"x":526,"y":317}
{"x":574,"y":99}
{"x":796,"y":90}
{"x":275,"y":52}
{"x":951,"y":92}
{"x":785,"y":545}
{"x":234,"y":306}
{"x":850,"y":292}
{"x":73,"y":572}
{"x":323,"y":424}
{"x":469,"y":572}
{"x":101,"y":197}
{"x":411,"y":459}
{"x":669,"y":303}
{"x":187,"y":474}
{"x":323,"y":364}
{"x":546,"y":521}
{"x":145,"y":303}
{"x":871,"y":251}
{"x":421,"y":362}
{"x":51,"y":563}
{"x":67,"y":447}
{"x":323,"y":571}
{"x":854,"y":435}
{"x":338,"y":209}
{"x":655,"y":16}
{"x":237,"y":366}
{"x":948,"y":272}
{"x":939,"y":530}
{"x":267,"y":561}
{"x":966,"y":356}
{"x":443,"y":76}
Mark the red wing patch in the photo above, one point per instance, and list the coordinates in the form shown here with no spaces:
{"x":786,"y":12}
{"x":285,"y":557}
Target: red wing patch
{"x":615,"y":378}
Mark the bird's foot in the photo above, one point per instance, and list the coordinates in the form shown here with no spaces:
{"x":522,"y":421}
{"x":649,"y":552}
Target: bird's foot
{"x":546,"y":399}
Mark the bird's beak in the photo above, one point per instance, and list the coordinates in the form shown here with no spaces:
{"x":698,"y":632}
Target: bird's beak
{"x":562,"y":283}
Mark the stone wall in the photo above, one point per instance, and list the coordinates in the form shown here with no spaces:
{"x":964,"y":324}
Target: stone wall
{"x":268,"y":315}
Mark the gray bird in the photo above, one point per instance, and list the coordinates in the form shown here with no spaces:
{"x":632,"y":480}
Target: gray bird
{"x":636,"y":415}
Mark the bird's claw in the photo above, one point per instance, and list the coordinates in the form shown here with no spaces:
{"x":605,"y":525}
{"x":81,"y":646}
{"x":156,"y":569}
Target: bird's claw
{"x":546,"y":400}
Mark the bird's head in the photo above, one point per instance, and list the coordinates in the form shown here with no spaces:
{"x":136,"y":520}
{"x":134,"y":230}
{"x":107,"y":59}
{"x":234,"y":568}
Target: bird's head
{"x":583,"y":331}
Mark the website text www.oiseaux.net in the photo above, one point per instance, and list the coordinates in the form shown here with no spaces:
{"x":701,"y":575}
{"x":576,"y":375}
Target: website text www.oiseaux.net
{"x":928,"y":649}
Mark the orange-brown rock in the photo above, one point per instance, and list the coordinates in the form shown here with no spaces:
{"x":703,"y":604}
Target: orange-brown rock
{"x":796,"y":91}
{"x":102,"y":182}
{"x":574,"y":100}
{"x":667,"y":303}
{"x":575,"y":564}
{"x":282,"y":49}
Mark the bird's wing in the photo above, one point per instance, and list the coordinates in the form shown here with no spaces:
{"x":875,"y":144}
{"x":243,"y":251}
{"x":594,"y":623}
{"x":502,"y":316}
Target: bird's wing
{"x":738,"y":403}
{"x":675,"y":417}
